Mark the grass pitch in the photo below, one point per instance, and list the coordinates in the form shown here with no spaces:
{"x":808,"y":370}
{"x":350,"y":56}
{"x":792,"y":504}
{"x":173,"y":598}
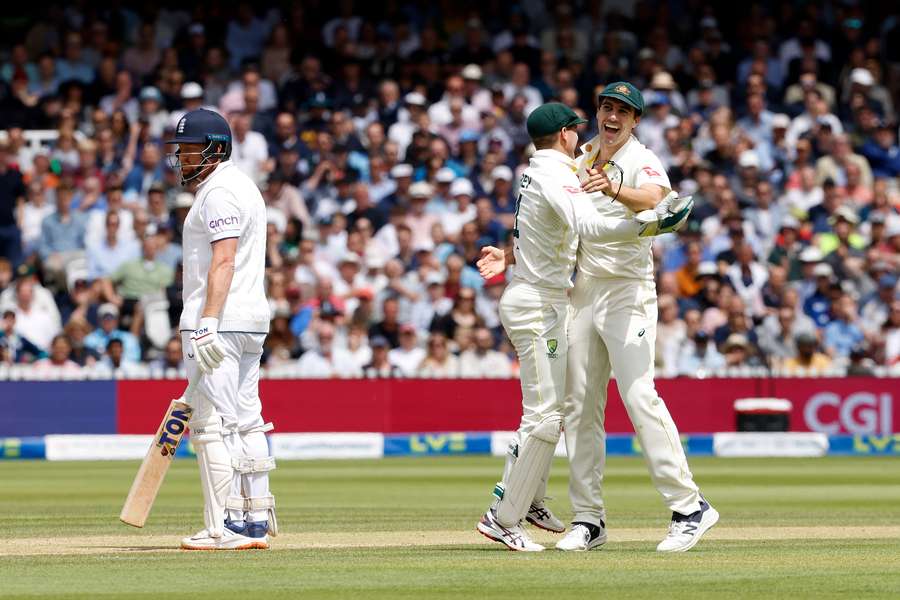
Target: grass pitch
{"x":404,"y":528}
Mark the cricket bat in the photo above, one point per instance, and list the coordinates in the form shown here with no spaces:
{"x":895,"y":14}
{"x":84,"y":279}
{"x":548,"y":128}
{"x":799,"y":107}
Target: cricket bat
{"x":156,"y":463}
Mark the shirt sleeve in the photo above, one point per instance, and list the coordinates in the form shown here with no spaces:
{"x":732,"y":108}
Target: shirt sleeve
{"x":575,"y":209}
{"x":651,"y":170}
{"x":222,"y":215}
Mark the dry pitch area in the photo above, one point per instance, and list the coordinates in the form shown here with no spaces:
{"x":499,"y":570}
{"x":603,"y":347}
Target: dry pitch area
{"x":404,"y":528}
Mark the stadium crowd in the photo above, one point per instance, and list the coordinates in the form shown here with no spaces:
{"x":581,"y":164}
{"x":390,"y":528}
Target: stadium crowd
{"x":387,"y":147}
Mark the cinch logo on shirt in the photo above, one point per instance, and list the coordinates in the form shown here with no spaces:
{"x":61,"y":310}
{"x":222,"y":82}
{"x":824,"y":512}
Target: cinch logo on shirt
{"x":215,"y":223}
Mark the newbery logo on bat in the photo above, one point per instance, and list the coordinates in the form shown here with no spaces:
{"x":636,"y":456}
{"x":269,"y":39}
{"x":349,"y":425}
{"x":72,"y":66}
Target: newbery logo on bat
{"x":215,"y":223}
{"x":170,"y":434}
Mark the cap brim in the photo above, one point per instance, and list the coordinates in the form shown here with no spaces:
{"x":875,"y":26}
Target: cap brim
{"x":191,"y":140}
{"x":578,"y":121}
{"x":623,"y":98}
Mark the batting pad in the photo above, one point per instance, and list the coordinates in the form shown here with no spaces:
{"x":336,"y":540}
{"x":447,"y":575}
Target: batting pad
{"x":215,"y":471}
{"x":535,"y":455}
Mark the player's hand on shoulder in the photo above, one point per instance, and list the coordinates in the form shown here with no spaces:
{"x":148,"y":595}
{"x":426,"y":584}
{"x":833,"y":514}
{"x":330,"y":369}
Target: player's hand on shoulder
{"x":491,"y":263}
{"x":596,"y":181}
{"x":207,"y":346}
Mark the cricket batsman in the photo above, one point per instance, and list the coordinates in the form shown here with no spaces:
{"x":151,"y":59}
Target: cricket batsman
{"x":552,"y":214}
{"x":223,"y":326}
{"x":613,"y":329}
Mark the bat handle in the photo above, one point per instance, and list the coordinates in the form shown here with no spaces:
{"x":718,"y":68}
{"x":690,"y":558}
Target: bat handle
{"x":189,"y":390}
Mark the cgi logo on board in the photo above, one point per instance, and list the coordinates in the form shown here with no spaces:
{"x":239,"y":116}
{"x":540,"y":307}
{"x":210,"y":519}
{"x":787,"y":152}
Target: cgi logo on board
{"x":224,"y":221}
{"x":861,"y":413}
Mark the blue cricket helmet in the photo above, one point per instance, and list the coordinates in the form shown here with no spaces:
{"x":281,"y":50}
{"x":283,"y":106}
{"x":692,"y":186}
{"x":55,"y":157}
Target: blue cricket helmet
{"x":203,"y":126}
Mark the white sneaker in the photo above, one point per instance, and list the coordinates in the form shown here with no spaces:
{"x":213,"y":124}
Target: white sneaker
{"x":540,"y":516}
{"x":579,"y":539}
{"x":686,"y":531}
{"x":229,"y":541}
{"x":513,"y":538}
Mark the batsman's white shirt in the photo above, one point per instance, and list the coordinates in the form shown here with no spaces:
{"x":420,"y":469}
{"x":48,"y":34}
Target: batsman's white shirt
{"x":630,"y":259}
{"x":227,"y":205}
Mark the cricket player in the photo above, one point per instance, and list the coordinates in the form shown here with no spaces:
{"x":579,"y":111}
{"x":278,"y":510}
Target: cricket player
{"x":223,"y":326}
{"x":552,"y":214}
{"x":613,"y":328}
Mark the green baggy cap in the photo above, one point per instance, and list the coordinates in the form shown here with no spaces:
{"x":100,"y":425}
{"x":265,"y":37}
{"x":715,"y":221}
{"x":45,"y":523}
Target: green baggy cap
{"x":550,"y":118}
{"x":627,"y":93}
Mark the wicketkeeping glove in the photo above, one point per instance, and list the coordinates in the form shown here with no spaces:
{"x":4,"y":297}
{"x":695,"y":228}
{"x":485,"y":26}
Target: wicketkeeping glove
{"x":206,"y":345}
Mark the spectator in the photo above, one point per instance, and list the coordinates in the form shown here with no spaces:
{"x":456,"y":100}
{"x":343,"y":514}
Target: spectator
{"x":439,"y":363}
{"x":737,"y":352}
{"x":115,"y":362}
{"x":62,"y":236}
{"x":670,"y":336}
{"x":36,"y":315}
{"x":109,"y":254}
{"x":842,"y":333}
{"x":138,"y":278}
{"x":14,"y":348}
{"x":381,"y":366}
{"x":891,"y":330}
{"x":408,"y":356}
{"x":807,"y":361}
{"x":483,"y":361}
{"x":58,"y":365}
{"x":778,"y":333}
{"x":172,"y":360}
{"x":327,"y":361}
{"x":76,"y":330}
{"x":99,"y":339}
{"x":12,"y":198}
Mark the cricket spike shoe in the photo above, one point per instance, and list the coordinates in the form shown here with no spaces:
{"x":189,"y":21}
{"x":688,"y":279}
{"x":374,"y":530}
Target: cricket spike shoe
{"x":514,"y":538}
{"x":583,"y":537}
{"x":540,"y":516}
{"x":233,"y":538}
{"x":686,"y":530}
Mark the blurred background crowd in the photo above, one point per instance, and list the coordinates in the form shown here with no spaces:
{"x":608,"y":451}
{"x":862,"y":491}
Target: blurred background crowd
{"x":387,"y":140}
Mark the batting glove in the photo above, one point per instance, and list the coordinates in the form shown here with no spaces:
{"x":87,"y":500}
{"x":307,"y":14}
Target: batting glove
{"x":206,"y":345}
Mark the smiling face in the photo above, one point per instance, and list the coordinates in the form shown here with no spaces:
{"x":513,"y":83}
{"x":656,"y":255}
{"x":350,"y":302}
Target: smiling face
{"x":615,"y":120}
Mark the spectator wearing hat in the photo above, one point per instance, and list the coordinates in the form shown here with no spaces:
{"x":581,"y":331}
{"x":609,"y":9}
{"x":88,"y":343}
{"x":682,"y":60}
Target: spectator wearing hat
{"x":461,"y":208}
{"x":76,"y":330}
{"x":818,"y":305}
{"x":843,"y":246}
{"x":417,"y":219}
{"x":861,"y":82}
{"x":501,"y":195}
{"x":153,"y":111}
{"x":380,"y":367}
{"x":99,"y":338}
{"x":833,"y":165}
{"x":408,"y":356}
{"x":882,"y":152}
{"x":434,"y":304}
{"x":808,"y":360}
{"x":738,"y":352}
{"x":699,"y":357}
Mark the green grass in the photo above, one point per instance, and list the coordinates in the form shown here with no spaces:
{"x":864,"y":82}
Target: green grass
{"x":328,"y":498}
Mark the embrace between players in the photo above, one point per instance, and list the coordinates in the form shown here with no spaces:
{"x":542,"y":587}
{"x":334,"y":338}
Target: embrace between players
{"x":597,"y":211}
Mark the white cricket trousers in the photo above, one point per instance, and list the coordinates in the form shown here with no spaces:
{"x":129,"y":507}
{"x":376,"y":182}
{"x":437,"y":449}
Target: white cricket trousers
{"x":613,"y":327}
{"x":535,"y":321}
{"x":231,"y":390}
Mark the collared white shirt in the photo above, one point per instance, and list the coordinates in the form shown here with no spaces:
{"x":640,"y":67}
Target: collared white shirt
{"x":627,"y":259}
{"x":227,"y":205}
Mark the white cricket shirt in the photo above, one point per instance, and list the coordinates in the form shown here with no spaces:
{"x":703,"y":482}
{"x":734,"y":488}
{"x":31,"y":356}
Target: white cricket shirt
{"x":551,"y":211}
{"x":227,"y":205}
{"x":628,"y":259}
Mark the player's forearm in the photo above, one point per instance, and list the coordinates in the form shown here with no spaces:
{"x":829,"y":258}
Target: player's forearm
{"x":218,"y":282}
{"x":596,"y":228}
{"x":638,"y":199}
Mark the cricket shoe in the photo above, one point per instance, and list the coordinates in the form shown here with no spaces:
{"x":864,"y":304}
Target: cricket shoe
{"x":686,"y":530}
{"x":581,"y":539}
{"x":669,"y":215}
{"x":540,"y":516}
{"x":513,"y":537}
{"x":230,"y":540}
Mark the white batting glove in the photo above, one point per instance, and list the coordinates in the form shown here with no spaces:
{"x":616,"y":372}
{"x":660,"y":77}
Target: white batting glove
{"x":206,"y":345}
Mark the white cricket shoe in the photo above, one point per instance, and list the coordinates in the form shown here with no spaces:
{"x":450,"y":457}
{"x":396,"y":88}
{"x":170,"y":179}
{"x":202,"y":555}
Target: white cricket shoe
{"x":513,"y":538}
{"x":686,"y":530}
{"x":540,"y":516}
{"x":230,"y":540}
{"x":579,"y":539}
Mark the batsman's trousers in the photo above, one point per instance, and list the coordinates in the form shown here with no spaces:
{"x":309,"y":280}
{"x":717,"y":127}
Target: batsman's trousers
{"x":613,"y":327}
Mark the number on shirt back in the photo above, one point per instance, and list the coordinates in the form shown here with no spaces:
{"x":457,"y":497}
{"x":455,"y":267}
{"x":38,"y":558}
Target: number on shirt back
{"x":523,"y":184}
